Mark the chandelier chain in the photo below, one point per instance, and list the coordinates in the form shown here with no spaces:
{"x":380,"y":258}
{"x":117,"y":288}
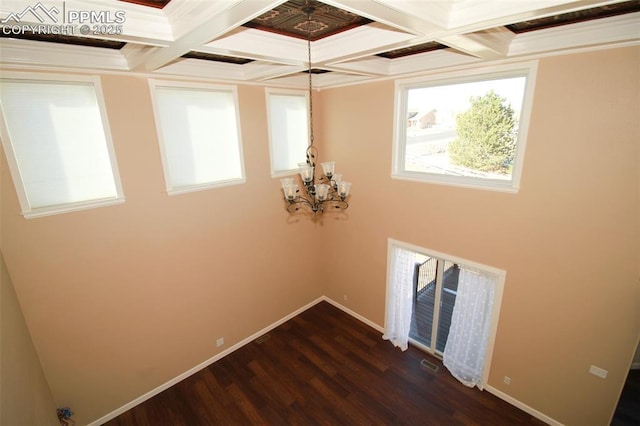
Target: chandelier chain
{"x":322,"y":193}
{"x":310,"y":82}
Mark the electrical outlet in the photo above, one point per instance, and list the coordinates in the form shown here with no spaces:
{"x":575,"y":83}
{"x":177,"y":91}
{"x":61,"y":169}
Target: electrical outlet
{"x":597,"y":371}
{"x":220,"y":342}
{"x":507,"y":380}
{"x":345,"y":298}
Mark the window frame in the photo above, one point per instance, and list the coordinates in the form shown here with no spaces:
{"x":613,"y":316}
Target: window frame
{"x":27,"y":211}
{"x":526,"y":69}
{"x":155,"y":84}
{"x":280,"y":91}
{"x":501,"y":275}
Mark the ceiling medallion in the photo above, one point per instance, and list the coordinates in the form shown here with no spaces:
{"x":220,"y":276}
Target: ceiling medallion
{"x":311,"y":27}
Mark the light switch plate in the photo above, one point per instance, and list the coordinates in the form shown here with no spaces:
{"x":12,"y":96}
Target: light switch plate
{"x":597,"y":371}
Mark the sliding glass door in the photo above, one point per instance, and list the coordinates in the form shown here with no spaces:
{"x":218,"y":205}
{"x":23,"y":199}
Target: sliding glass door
{"x":446,"y":305}
{"x":434,"y":296}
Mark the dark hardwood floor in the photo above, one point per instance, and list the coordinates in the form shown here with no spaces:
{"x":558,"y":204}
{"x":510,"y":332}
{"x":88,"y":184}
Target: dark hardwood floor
{"x":628,"y":409}
{"x":323,"y":367}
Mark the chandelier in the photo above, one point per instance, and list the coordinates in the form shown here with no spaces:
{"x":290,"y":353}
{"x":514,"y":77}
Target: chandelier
{"x":327,"y":192}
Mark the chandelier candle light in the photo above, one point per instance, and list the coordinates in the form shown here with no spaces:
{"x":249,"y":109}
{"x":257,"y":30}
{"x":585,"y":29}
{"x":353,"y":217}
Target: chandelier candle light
{"x":323,"y":193}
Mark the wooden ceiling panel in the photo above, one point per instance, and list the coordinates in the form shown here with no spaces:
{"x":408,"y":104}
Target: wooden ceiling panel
{"x":575,"y":17}
{"x":289,"y":19}
{"x":413,"y":50}
{"x":217,"y":58}
{"x":158,"y":4}
{"x":67,"y":39}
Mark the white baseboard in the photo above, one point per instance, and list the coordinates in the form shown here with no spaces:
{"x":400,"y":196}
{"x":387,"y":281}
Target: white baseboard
{"x":200,"y":366}
{"x":354,"y":314}
{"x":524,"y":407}
{"x":635,"y":366}
{"x":254,"y":336}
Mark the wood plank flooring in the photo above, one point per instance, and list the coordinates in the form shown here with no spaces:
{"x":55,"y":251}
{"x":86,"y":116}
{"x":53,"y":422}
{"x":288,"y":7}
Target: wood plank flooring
{"x":628,"y":409}
{"x":323,"y":367}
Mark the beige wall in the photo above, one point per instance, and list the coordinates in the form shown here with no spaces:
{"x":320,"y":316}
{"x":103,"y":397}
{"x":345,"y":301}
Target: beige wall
{"x":569,"y":240}
{"x":25,"y":398}
{"x":121,"y":299}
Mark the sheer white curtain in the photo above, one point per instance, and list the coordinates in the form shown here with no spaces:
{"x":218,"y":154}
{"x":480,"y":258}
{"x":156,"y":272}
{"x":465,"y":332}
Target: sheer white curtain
{"x":466,"y":346}
{"x":399,"y":296}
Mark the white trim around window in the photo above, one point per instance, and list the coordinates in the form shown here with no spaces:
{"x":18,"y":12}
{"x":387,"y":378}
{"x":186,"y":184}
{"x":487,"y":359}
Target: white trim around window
{"x":199,"y":135}
{"x":500,"y":275}
{"x":425,"y":124}
{"x":288,"y":120}
{"x":56,"y":137}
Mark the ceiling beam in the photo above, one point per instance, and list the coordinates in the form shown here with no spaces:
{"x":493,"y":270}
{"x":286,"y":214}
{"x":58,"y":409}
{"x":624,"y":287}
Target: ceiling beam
{"x":386,"y":12}
{"x":487,"y":44}
{"x":208,"y":28}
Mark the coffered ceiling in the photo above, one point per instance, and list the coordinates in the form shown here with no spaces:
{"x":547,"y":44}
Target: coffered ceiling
{"x":265,"y":41}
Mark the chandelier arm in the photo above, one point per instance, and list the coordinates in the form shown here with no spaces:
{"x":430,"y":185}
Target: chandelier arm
{"x":301,"y":201}
{"x":293,"y":207}
{"x":338,"y":204}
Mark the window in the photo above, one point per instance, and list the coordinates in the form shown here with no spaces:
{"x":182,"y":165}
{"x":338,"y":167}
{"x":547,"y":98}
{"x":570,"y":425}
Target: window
{"x":199,"y":134}
{"x":464,"y":129}
{"x":288,"y":129}
{"x":56,"y":136}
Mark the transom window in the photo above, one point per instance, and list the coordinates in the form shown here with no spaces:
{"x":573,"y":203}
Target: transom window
{"x":288,"y":129}
{"x":56,"y":136}
{"x":199,"y":134}
{"x":467,"y":128}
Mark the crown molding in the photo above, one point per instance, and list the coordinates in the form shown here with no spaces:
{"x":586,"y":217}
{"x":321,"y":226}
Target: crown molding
{"x":611,"y":31}
{"x":38,"y":54}
{"x":476,"y":15}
